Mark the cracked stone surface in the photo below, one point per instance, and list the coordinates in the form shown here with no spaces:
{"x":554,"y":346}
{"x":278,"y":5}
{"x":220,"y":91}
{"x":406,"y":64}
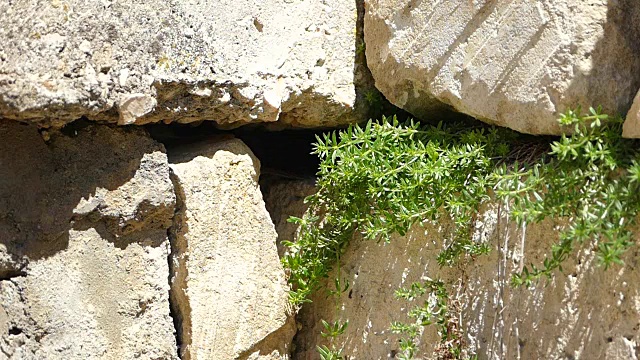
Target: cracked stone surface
{"x":132,"y":62}
{"x":511,"y":63}
{"x":228,"y":287}
{"x":83,"y":244}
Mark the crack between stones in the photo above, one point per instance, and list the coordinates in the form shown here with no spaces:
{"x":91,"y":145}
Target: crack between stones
{"x":179,"y":308}
{"x":11,"y":274}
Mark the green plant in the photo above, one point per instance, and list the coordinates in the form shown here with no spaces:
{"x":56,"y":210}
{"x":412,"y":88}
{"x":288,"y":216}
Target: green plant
{"x":361,"y":47}
{"x":434,"y":309}
{"x":329,"y":354}
{"x":373,"y":98}
{"x":591,"y":180}
{"x":382,"y":178}
{"x":334,"y":329}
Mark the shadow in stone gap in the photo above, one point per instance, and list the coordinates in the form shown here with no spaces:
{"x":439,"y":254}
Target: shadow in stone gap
{"x":179,"y":304}
{"x":286,"y":153}
{"x":367,"y":96}
{"x":42,"y":182}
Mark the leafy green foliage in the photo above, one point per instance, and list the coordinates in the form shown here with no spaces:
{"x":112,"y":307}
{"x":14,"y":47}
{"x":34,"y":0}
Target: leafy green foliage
{"x":372,"y":97}
{"x":590,"y":181}
{"x":334,"y":329}
{"x":382,"y":178}
{"x":361,"y":47}
{"x":329,"y":354}
{"x":433,"y":310}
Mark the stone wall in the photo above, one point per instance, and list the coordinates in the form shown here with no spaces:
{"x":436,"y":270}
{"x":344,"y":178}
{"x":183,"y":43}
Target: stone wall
{"x":109,"y":250}
{"x":113,"y":247}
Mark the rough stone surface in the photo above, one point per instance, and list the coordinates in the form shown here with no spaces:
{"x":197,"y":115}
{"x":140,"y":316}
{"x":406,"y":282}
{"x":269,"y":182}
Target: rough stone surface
{"x":631,"y":126}
{"x":228,"y":287}
{"x":83,"y":244}
{"x":512,"y":63}
{"x":587,"y":313}
{"x":184,"y":61}
{"x":283,"y":199}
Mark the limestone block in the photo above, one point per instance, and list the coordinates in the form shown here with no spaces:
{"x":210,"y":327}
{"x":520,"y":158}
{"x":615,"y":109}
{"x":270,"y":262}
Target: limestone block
{"x":233,"y":62}
{"x":585,"y":313}
{"x":84,"y":246}
{"x":285,"y":198}
{"x":631,"y":126}
{"x":228,"y":285}
{"x":511,"y":63}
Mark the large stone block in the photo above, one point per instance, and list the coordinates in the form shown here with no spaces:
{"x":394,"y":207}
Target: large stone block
{"x":511,"y":63}
{"x":233,"y":62}
{"x":228,"y":286}
{"x":83,"y":244}
{"x":585,"y":313}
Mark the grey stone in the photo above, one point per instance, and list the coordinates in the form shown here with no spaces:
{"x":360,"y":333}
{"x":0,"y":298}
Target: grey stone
{"x":283,"y":199}
{"x":84,"y":246}
{"x":228,"y":286}
{"x":233,"y":62}
{"x":631,"y":126}
{"x":517,"y":64}
{"x":584,"y":313}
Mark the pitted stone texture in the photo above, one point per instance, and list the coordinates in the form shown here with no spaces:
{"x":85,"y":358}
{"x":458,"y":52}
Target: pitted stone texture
{"x":585,"y":313}
{"x":233,"y":62}
{"x":228,"y":287}
{"x":83,"y":238}
{"x":511,"y":63}
{"x":92,"y":300}
{"x":120,"y":177}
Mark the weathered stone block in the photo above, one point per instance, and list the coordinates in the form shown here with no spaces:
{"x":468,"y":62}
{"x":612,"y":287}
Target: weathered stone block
{"x":83,"y":243}
{"x":511,"y":63}
{"x":584,"y":313}
{"x":129,"y":62}
{"x":228,"y":286}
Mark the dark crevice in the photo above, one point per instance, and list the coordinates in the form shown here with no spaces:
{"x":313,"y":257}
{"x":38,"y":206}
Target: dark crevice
{"x":173,"y":312}
{"x":285,"y":153}
{"x":11,"y":274}
{"x":15,"y":330}
{"x":180,"y":314}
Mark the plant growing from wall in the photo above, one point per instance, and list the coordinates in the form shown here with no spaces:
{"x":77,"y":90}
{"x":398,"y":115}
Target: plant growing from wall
{"x":592,"y":181}
{"x":384,"y":177}
{"x":435,"y":309}
{"x":381,"y":179}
